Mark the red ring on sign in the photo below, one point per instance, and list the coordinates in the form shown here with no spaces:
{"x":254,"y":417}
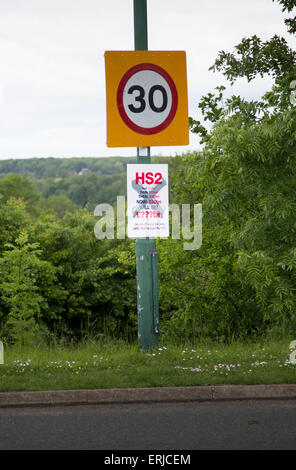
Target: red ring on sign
{"x":120,"y":106}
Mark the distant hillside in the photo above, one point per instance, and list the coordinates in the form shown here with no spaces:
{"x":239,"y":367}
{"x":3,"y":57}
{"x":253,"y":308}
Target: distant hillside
{"x":65,"y":183}
{"x":63,"y":167}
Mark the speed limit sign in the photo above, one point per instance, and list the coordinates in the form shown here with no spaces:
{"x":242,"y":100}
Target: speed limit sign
{"x":146,"y":98}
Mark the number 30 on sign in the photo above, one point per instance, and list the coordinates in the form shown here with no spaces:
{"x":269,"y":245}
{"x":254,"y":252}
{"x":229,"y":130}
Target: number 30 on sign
{"x":147,"y":101}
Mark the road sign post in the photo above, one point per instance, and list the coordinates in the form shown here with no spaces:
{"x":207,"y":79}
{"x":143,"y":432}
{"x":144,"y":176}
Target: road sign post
{"x":146,"y":255}
{"x":147,"y":106}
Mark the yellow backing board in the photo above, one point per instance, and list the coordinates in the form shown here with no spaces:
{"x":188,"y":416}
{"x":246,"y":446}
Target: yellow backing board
{"x":146,"y":97}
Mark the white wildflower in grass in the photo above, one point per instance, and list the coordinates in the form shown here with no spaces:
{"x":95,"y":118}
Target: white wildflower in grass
{"x":225,"y":366}
{"x":191,"y":369}
{"x":287,"y":363}
{"x":257,"y":363}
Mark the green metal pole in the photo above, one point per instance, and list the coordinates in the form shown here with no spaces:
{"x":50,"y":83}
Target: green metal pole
{"x":140,"y":25}
{"x":146,"y":256}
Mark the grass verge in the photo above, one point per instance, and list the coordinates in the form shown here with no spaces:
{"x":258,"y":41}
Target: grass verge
{"x":113,"y":364}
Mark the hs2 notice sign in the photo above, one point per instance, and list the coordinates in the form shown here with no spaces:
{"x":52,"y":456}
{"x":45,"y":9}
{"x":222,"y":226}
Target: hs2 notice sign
{"x":147,"y":200}
{"x":146,"y":95}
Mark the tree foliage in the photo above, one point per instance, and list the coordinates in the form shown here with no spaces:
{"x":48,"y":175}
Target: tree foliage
{"x":242,"y":280}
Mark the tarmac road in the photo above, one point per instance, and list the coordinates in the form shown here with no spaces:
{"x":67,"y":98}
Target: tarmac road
{"x":246,"y":424}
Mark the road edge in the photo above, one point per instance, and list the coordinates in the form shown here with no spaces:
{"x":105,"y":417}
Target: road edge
{"x":142,"y":395}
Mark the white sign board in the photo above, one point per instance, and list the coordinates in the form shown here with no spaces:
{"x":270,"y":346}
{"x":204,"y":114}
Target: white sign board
{"x":147,"y":99}
{"x":147,"y":200}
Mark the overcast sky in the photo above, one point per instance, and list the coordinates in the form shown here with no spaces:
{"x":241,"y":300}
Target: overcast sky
{"x":52,"y":72}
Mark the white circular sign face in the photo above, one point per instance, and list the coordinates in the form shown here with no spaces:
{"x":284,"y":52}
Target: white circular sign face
{"x":147,"y":99}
